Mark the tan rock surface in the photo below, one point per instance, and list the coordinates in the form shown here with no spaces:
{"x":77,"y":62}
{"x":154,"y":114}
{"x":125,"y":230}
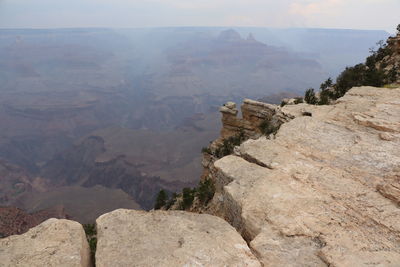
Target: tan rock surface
{"x":52,"y":243}
{"x":138,"y":238}
{"x":326,"y":190}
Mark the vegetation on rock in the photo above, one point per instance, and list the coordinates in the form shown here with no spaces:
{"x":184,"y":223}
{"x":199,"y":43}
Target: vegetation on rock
{"x":161,"y":200}
{"x":203,"y":193}
{"x":373,"y":72}
{"x":229,"y":144}
{"x":91,"y":236}
{"x":267,"y":127}
{"x":188,"y":195}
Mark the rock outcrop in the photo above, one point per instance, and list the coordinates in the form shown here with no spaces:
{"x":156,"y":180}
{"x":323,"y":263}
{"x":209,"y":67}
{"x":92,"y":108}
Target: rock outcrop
{"x":325,"y":190}
{"x":254,"y":113}
{"x":138,"y":238}
{"x":52,"y":243}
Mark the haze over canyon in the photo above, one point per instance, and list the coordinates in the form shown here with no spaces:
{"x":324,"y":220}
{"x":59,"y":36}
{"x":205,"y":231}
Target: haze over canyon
{"x":97,"y":119}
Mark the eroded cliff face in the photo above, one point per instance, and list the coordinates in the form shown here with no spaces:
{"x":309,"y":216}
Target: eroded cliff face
{"x":323,"y":191}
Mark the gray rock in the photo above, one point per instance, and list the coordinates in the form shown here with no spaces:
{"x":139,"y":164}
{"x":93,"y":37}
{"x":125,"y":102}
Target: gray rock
{"x":325,"y":190}
{"x":52,"y":243}
{"x":176,"y":238}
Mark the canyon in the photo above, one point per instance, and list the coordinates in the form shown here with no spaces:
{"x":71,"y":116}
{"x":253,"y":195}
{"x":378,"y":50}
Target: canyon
{"x":84,"y":110}
{"x":322,"y":189}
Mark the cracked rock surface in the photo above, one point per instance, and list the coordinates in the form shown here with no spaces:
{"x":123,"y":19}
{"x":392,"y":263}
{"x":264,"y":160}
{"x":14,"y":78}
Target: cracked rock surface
{"x":326,"y":190}
{"x":174,"y":238}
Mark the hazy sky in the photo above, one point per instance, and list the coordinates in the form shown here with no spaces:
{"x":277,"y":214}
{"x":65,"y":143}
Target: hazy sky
{"x":356,"y":14}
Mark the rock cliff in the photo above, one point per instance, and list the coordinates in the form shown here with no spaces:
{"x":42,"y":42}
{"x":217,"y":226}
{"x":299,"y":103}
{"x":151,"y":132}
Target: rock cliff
{"x":323,"y":191}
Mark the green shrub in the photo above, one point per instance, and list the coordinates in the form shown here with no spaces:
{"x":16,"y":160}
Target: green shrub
{"x":161,"y":200}
{"x":327,"y":84}
{"x":187,"y":197}
{"x":298,"y":100}
{"x":91,"y":233}
{"x":205,"y":191}
{"x":267,"y":128}
{"x":229,"y":144}
{"x":324,"y":96}
{"x":310,"y":97}
{"x":206,"y":150}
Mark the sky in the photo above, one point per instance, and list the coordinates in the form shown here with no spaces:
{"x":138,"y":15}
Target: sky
{"x":347,"y":14}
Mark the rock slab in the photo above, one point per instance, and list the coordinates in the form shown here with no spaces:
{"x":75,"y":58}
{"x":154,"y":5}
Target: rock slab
{"x":138,"y":238}
{"x":52,"y":243}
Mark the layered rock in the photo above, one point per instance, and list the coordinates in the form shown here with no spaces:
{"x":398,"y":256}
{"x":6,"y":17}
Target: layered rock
{"x":138,"y":238}
{"x":324,"y":191}
{"x":254,"y":113}
{"x":52,"y":243}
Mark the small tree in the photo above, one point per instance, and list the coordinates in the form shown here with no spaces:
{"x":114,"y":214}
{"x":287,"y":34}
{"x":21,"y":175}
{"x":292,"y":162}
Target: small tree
{"x":327,"y":84}
{"x":161,"y":200}
{"x":309,"y":97}
{"x":187,"y":197}
{"x":205,"y":191}
{"x":398,"y":29}
{"x":324,"y":96}
{"x":298,"y":100}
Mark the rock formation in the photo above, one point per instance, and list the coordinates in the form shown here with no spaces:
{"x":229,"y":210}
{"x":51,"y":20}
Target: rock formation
{"x":138,"y":238}
{"x":52,"y":243}
{"x":324,"y":191}
{"x":254,"y":113}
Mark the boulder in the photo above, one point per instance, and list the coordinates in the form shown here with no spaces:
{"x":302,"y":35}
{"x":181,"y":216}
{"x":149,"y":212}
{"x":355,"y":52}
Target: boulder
{"x":175,"y":238}
{"x":52,"y":243}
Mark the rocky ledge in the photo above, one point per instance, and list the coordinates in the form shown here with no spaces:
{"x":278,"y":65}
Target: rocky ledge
{"x":131,"y":238}
{"x":325,"y":190}
{"x":175,"y":238}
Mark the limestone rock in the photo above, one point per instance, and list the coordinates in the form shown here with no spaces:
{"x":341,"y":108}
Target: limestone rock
{"x":254,"y":113}
{"x":176,"y":238}
{"x":52,"y":243}
{"x":325,"y":190}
